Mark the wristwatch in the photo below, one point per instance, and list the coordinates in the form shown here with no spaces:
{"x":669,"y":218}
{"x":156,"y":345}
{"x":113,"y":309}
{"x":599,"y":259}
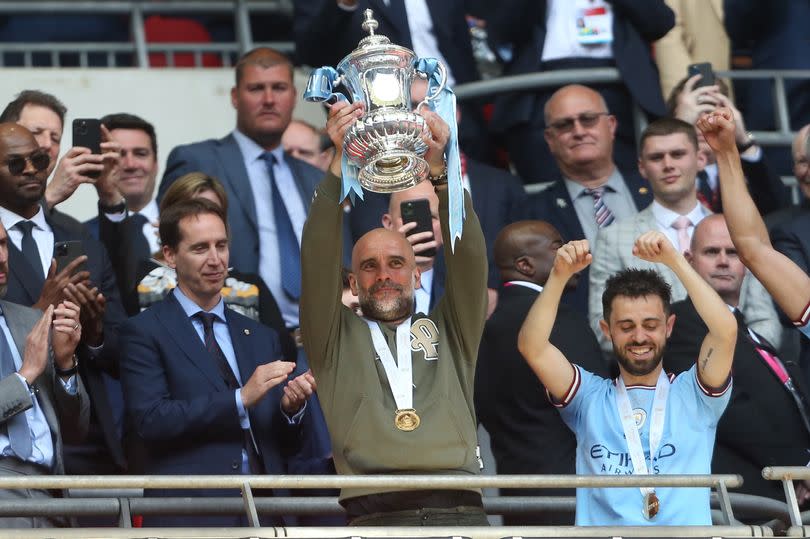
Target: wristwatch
{"x":121,"y":207}
{"x":69,"y":371}
{"x":749,"y":142}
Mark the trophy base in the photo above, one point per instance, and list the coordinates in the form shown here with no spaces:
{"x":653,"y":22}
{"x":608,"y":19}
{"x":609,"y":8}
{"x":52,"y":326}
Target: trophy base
{"x":387,"y":146}
{"x":393,"y":171}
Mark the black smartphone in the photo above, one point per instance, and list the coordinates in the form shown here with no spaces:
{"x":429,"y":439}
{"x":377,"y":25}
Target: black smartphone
{"x":418,"y":211}
{"x":66,"y":252}
{"x":704,"y":69}
{"x":87,"y":134}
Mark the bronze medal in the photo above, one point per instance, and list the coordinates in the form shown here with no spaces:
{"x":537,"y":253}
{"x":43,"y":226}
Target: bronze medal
{"x":406,"y":419}
{"x":651,"y":505}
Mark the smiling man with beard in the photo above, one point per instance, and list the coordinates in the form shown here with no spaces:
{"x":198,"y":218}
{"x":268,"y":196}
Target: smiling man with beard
{"x":644,"y":422}
{"x":396,"y":386}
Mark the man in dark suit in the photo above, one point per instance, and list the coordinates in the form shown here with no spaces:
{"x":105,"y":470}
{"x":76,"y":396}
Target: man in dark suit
{"x":580,"y":136}
{"x":34,"y":281}
{"x":269,"y":192}
{"x":528,"y":435}
{"x":202,"y":385}
{"x":541,"y":37}
{"x":766,"y":422}
{"x":42,"y":400}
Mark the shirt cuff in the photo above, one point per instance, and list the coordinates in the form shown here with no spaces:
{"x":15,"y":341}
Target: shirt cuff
{"x":295,"y":419}
{"x":116,"y":217}
{"x":24,"y":382}
{"x":753,"y":157}
{"x":244,"y":420}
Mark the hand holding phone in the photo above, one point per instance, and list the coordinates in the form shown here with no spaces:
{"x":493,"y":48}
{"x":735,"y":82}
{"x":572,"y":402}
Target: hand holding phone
{"x":704,"y":69}
{"x":418,"y":211}
{"x":87,"y":134}
{"x":66,"y":252}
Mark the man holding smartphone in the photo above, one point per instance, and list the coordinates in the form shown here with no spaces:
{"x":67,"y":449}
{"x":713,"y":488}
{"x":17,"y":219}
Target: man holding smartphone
{"x":419,"y":410}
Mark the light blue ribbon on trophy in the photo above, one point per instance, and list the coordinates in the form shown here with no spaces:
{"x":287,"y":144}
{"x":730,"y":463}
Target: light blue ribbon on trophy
{"x":320,"y":89}
{"x":444,"y":105}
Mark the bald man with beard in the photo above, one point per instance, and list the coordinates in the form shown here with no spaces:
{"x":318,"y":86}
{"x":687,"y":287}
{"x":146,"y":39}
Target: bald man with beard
{"x":528,"y":435}
{"x":410,"y":415}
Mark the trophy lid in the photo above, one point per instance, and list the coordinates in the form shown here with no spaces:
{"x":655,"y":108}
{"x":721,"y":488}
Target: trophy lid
{"x":370,"y":24}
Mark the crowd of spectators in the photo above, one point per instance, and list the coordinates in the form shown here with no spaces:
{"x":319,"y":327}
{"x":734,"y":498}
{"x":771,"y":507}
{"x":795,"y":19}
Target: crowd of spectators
{"x":186,"y":320}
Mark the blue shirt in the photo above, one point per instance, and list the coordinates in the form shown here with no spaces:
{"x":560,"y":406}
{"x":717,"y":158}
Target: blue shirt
{"x":41,"y":441}
{"x":686,"y":447}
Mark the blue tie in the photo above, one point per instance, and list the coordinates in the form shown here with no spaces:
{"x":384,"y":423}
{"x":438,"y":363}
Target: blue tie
{"x":19,"y":435}
{"x":29,"y":247}
{"x":289,"y":252}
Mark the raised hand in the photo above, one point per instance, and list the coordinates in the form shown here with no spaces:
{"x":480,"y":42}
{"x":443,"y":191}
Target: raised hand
{"x":107,"y":182}
{"x":654,"y":246}
{"x":92,"y":304}
{"x":420,"y":242}
{"x":67,"y":332}
{"x":263,"y":379}
{"x":341,"y":116}
{"x":297,"y":391}
{"x":436,"y":140}
{"x":54,"y":287}
{"x":695,"y":102}
{"x":719,"y":130}
{"x":35,"y":356}
{"x":572,"y":258}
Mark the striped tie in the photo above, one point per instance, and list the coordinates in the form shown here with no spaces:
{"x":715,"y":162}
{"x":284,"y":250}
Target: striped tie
{"x":604,"y":217}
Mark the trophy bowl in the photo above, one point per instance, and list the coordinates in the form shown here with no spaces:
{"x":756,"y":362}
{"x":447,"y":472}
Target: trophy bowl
{"x":386,"y":144}
{"x":388,"y":147}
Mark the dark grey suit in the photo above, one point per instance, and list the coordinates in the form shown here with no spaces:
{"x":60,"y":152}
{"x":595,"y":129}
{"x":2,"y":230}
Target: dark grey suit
{"x":68,"y":416}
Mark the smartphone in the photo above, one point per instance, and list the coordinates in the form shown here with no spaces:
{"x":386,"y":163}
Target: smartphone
{"x":87,"y":134}
{"x":66,"y":252}
{"x":418,"y":211}
{"x":704,"y":69}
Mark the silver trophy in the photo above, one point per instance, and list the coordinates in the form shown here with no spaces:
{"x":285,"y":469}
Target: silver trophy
{"x":386,"y":143}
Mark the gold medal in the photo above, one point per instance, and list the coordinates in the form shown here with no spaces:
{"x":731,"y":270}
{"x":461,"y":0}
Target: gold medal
{"x":651,"y":505}
{"x":406,"y":419}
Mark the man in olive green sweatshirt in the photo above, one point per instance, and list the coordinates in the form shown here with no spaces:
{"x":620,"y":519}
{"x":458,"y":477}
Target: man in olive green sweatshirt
{"x":396,"y":387}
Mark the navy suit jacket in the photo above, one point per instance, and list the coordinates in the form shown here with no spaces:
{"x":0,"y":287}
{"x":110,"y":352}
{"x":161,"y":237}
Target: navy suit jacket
{"x":222,"y":159}
{"x":24,"y":289}
{"x":319,"y":21}
{"x":554,"y":205}
{"x":636,"y":25}
{"x":179,"y":405}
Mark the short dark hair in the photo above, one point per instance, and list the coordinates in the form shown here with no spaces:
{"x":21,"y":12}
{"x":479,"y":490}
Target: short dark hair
{"x":264,"y":57}
{"x":14,"y":109}
{"x":635,"y":283}
{"x":122,"y":120}
{"x":668,"y":126}
{"x":170,"y":218}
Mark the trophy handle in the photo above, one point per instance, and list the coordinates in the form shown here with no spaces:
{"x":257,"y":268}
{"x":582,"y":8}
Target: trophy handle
{"x":320,"y":85}
{"x":438,"y":89}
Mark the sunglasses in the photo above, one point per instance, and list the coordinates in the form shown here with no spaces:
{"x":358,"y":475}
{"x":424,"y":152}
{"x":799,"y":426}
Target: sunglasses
{"x":38,"y":159}
{"x":586,"y":120}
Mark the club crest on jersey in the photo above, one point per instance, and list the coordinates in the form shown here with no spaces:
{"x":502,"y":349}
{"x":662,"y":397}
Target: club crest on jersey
{"x":640,"y":415}
{"x":425,"y":338}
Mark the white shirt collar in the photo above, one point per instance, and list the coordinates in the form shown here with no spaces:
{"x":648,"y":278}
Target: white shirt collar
{"x":527,"y":284}
{"x":9,"y":218}
{"x":251,"y":151}
{"x":150,"y":211}
{"x":665,"y":216}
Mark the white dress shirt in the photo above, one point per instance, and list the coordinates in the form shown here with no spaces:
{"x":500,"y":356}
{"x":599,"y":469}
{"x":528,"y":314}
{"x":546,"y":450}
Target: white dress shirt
{"x":664,"y":218}
{"x":42,"y":233}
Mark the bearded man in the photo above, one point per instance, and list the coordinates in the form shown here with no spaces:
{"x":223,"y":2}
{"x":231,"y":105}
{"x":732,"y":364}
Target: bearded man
{"x":644,"y":422}
{"x":396,"y":386}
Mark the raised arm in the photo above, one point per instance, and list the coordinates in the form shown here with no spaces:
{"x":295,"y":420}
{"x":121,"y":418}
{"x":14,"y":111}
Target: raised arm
{"x":548,"y":363}
{"x":717,"y":349}
{"x":787,"y":283}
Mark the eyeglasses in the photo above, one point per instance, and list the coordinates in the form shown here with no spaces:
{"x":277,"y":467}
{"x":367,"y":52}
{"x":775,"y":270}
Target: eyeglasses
{"x":39,"y":159}
{"x":586,"y":120}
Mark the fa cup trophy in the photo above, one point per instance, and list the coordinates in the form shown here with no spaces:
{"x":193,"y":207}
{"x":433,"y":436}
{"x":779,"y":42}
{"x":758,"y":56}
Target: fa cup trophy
{"x":386,"y":143}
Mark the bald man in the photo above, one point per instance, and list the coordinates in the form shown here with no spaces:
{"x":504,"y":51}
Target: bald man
{"x":591,"y":192}
{"x":412,"y":414}
{"x":528,"y":435}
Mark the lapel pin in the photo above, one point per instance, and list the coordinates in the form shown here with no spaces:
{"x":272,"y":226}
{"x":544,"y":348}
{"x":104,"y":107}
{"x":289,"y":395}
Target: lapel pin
{"x":562,"y":203}
{"x":642,"y":190}
{"x":247,"y":332}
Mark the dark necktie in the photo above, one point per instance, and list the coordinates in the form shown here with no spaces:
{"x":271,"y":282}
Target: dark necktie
{"x":289,"y":252}
{"x":19,"y":434}
{"x":29,"y":247}
{"x":706,"y":195}
{"x":211,"y":344}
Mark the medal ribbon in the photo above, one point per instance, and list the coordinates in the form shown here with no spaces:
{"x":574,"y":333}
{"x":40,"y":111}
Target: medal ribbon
{"x":659,"y":409}
{"x":400,"y":374}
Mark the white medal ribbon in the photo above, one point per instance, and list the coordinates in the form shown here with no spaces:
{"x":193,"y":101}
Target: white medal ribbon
{"x":400,"y":374}
{"x":659,"y":409}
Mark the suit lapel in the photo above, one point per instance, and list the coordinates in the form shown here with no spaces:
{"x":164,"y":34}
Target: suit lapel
{"x":180,"y":329}
{"x":20,"y":270}
{"x":566,"y":214}
{"x":242,"y":346}
{"x":236,"y":175}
